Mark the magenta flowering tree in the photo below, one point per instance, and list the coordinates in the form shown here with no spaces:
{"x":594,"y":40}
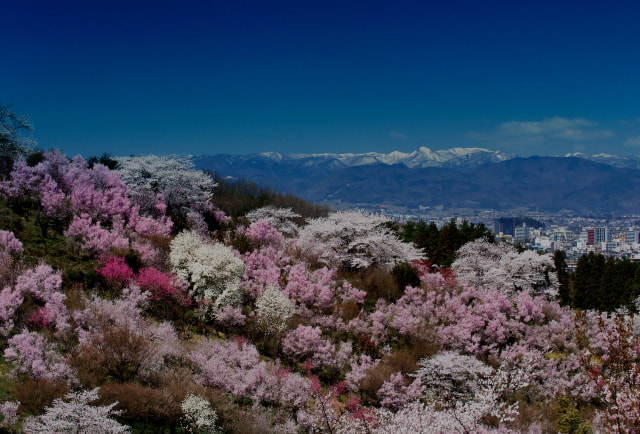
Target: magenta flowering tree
{"x":168,"y":292}
{"x":114,"y":270}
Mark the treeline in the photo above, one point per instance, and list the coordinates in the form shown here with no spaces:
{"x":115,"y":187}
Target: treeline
{"x":605,"y":284}
{"x":236,"y":197}
{"x":441,"y":244}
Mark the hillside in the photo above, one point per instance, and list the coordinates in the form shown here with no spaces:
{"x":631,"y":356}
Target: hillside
{"x":130,"y":303}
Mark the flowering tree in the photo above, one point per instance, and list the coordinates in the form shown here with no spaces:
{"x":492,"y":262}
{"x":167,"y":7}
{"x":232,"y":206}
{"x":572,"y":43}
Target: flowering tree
{"x":9,"y":411}
{"x":451,"y":377}
{"x":354,"y":239}
{"x":212,"y":270}
{"x":468,"y":389}
{"x":273,"y":310}
{"x":14,"y":141}
{"x":484,"y":264}
{"x":43,"y":285}
{"x":199,"y":417}
{"x":616,"y":375}
{"x":260,"y":234}
{"x":236,"y":368}
{"x":172,"y":176}
{"x":9,"y":244}
{"x":76,"y":415}
{"x":10,"y":249}
{"x":34,"y":356}
{"x":282,"y":219}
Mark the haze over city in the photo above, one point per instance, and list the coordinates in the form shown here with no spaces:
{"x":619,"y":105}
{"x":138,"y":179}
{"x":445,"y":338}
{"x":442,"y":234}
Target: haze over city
{"x":241,"y":77}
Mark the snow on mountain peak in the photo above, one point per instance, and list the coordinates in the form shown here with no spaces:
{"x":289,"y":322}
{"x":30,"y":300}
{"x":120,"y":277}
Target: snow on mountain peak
{"x":422,"y":157}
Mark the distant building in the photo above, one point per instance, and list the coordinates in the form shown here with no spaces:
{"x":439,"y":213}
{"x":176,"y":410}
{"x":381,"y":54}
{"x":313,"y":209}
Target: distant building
{"x":598,"y":235}
{"x":630,"y":237}
{"x":602,"y":235}
{"x":505,"y":226}
{"x":521,"y":232}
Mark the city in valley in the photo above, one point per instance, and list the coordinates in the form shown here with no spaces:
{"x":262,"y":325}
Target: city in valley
{"x":617,"y":236}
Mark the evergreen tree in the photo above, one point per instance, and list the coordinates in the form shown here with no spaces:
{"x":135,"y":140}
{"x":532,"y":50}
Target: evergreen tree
{"x":564,"y":295}
{"x":607,"y":294}
{"x":581,"y":279}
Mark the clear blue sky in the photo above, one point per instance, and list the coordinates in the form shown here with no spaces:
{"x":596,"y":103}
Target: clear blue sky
{"x":239,"y":77}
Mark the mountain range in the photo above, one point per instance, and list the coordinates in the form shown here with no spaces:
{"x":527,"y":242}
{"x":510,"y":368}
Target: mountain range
{"x":455,"y":178}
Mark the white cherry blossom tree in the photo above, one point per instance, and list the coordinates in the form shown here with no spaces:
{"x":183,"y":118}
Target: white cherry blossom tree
{"x":74,"y":414}
{"x":354,"y":239}
{"x":170,"y":175}
{"x":212,"y":270}
{"x":484,"y":265}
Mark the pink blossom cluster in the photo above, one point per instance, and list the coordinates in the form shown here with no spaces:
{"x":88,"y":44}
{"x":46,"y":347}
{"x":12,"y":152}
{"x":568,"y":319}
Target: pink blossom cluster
{"x":32,"y":355}
{"x":161,"y":286}
{"x":236,"y":367}
{"x":262,"y":268}
{"x":44,"y":285}
{"x":307,"y":343}
{"x":9,"y":244}
{"x":95,"y":199}
{"x":260,"y":234}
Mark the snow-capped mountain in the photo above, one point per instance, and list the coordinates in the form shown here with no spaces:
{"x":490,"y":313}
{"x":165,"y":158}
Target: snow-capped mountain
{"x":423,"y":157}
{"x":622,"y":161}
{"x":452,"y":178}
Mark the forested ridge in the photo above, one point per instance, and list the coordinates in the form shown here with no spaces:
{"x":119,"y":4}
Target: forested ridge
{"x":141,"y":295}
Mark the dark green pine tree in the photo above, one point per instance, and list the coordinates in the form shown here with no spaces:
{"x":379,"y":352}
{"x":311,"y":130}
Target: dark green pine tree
{"x":427,"y":239}
{"x":449,"y":244}
{"x":623,"y":280}
{"x":607,"y":294}
{"x":581,"y":279}
{"x":634,"y":291}
{"x":564,"y":290}
{"x":594,"y":289}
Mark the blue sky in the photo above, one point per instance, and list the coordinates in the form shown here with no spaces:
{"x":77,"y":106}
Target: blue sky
{"x":530,"y":78}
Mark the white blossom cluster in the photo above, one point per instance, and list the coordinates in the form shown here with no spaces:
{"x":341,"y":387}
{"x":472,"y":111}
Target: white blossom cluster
{"x":75,"y":415}
{"x":281,"y":219}
{"x":274,"y":309}
{"x":354,"y":239}
{"x":212,"y":270}
{"x":172,"y":176}
{"x":484,"y":265}
{"x":452,"y":376}
{"x":198,"y":416}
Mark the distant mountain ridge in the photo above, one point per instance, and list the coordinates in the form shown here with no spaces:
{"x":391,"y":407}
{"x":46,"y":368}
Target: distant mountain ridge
{"x":423,"y":157}
{"x":454,"y":178}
